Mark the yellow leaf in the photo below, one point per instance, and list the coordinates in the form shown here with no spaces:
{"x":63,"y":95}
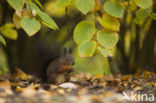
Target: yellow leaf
{"x":17,"y":21}
{"x":21,"y":75}
{"x":8,"y":31}
{"x":109,"y":22}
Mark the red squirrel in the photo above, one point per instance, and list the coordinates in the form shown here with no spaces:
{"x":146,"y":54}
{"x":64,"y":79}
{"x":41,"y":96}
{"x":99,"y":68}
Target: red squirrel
{"x":59,"y":70}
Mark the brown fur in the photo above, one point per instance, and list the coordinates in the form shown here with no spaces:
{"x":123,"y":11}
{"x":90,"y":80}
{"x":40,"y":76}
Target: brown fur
{"x":59,"y":70}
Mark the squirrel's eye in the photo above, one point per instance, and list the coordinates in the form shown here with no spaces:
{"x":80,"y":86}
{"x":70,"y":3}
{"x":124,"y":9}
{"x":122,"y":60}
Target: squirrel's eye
{"x":73,"y":63}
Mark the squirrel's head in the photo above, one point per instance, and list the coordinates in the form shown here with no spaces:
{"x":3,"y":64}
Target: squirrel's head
{"x":67,"y":57}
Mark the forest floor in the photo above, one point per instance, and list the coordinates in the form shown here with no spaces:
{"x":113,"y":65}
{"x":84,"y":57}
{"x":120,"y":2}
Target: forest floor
{"x":82,"y":88}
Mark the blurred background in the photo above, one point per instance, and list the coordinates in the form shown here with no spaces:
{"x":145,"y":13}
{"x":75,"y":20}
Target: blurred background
{"x":136,"y":48}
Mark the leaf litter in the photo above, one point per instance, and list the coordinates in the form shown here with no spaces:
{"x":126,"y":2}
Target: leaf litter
{"x":82,"y":88}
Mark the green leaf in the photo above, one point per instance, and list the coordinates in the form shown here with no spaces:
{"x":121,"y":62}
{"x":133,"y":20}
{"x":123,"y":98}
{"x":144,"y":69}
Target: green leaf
{"x":63,"y":3}
{"x":85,"y":5}
{"x":8,"y":31}
{"x":33,"y":7}
{"x":48,"y":21}
{"x":109,"y":22}
{"x":144,"y":3}
{"x":143,"y":13}
{"x":114,"y":8}
{"x":107,"y":39}
{"x":2,"y":40}
{"x":153,"y":16}
{"x":16,"y":4}
{"x":84,"y":31}
{"x":105,"y":52}
{"x":30,"y":25}
{"x":138,"y":20}
{"x":38,"y":3}
{"x":87,"y":49}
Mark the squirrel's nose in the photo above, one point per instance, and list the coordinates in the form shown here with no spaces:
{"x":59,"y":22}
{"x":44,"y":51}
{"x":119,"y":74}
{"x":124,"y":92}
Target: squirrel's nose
{"x":73,"y":63}
{"x":72,"y":70}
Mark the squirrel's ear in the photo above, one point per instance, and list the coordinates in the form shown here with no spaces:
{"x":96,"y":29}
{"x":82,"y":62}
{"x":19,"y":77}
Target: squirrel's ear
{"x":70,"y":51}
{"x":65,"y":51}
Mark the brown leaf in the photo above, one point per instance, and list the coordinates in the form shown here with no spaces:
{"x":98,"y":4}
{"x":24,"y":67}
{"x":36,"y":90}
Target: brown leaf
{"x":126,"y":77}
